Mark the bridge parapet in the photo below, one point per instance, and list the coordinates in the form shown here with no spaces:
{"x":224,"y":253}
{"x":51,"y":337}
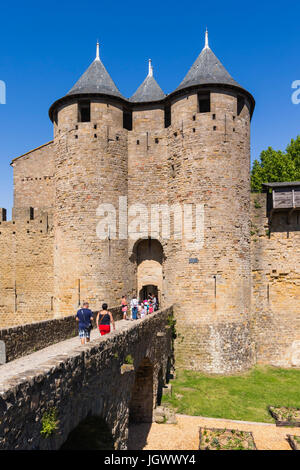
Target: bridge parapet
{"x":25,"y":339}
{"x":86,"y":381}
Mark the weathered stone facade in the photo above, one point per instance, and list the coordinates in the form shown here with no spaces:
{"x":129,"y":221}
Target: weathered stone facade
{"x":275,"y":285}
{"x":90,"y":380}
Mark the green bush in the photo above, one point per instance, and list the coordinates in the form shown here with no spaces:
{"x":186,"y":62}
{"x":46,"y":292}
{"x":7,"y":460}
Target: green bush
{"x":49,"y":423}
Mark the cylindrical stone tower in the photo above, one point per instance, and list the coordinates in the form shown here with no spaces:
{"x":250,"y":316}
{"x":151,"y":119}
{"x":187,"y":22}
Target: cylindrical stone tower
{"x":91,"y":173}
{"x":208,"y":272}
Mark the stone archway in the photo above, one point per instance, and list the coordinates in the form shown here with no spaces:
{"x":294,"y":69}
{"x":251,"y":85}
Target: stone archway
{"x":149,"y":258}
{"x":141,"y":403}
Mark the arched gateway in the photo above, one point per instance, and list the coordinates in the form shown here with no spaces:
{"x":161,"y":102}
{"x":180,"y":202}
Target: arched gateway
{"x":149,"y":258}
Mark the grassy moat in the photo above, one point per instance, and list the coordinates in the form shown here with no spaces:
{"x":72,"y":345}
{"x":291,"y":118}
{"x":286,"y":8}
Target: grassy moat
{"x":243,"y":397}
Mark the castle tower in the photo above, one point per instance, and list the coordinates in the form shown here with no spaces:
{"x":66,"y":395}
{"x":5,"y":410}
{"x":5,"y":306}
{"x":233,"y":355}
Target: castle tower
{"x":209,"y":166}
{"x":91,"y":170}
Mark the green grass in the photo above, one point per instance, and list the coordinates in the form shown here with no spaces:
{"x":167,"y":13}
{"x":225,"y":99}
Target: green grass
{"x":241,"y":397}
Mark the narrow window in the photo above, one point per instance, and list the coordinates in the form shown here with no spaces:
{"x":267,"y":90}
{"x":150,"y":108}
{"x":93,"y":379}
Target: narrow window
{"x":137,"y":142}
{"x":127,"y":119}
{"x":167,"y":115}
{"x":156,"y":140}
{"x":204,"y":102}
{"x":194,"y":118}
{"x":84,"y":111}
{"x":240,"y":104}
{"x":215,"y":128}
{"x":214,"y":116}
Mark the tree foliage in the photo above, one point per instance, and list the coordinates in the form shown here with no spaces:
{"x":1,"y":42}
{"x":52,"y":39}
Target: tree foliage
{"x":276,"y":166}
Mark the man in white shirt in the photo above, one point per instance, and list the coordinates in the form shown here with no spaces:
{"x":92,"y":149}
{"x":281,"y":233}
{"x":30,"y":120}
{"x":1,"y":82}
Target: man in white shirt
{"x":134,"y":307}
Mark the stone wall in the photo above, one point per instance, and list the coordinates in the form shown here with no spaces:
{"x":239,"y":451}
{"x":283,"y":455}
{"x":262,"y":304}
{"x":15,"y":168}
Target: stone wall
{"x":275,"y":251}
{"x":26,"y":268}
{"x":25,"y":339}
{"x":92,"y":380}
{"x":33,"y":178}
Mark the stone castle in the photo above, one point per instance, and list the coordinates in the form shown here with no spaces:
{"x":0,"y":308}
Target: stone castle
{"x":236,"y":297}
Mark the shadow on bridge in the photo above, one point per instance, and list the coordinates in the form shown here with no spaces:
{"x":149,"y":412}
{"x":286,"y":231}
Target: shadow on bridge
{"x":92,"y":433}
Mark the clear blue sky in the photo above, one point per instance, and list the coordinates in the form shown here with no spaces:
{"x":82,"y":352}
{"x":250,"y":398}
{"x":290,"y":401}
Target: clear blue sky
{"x":46,"y":46}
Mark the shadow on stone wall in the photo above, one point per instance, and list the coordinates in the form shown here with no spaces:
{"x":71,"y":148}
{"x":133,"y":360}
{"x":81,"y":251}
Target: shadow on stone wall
{"x":137,"y":436}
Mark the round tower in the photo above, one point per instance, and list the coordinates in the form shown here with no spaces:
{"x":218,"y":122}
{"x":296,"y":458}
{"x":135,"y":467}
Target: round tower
{"x":91,"y":174}
{"x":208,"y":270}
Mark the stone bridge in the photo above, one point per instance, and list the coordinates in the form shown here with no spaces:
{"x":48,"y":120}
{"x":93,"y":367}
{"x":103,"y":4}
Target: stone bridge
{"x":118,"y":377}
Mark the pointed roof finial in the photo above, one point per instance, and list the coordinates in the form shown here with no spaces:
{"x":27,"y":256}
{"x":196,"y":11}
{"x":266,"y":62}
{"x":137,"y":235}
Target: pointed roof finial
{"x":206,"y":40}
{"x":97,"y":51}
{"x":150,"y":72}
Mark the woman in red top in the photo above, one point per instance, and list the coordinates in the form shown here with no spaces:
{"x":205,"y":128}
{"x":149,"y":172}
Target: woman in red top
{"x":106,"y":319}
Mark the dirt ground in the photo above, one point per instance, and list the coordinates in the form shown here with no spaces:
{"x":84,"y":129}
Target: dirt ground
{"x":185,"y":434}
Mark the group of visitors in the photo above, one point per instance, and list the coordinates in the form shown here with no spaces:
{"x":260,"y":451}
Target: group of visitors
{"x":104,"y":318}
{"x":85,"y":317}
{"x":139,"y":308}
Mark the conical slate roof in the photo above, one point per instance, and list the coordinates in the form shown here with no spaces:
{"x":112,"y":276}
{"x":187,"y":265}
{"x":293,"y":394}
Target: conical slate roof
{"x":95,"y":79}
{"x":207,"y":69}
{"x":149,"y":90}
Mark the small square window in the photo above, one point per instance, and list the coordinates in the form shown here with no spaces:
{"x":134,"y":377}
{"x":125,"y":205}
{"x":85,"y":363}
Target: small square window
{"x":215,"y":128}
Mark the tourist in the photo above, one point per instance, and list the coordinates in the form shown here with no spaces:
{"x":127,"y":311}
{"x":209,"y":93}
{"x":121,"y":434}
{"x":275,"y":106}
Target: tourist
{"x":124,"y":307}
{"x":140,"y":307}
{"x":155,"y":303}
{"x":106,"y":319}
{"x":143,"y":311}
{"x":134,"y":308}
{"x":84,"y":316}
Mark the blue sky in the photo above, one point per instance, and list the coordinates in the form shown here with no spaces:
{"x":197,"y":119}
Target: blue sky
{"x":45,"y":47}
